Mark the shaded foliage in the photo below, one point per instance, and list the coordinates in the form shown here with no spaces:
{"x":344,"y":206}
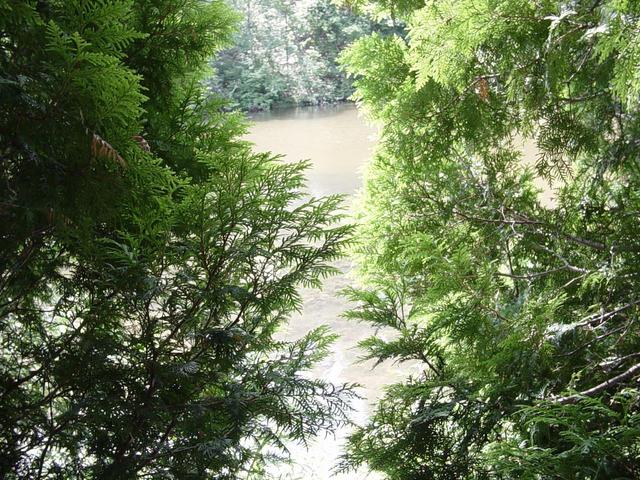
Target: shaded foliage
{"x":147,"y":255}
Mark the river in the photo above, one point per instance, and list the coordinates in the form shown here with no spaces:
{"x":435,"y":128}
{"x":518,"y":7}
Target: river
{"x":339,"y":144}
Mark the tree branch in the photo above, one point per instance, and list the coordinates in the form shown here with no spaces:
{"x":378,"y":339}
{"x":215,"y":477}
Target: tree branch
{"x":571,"y":399}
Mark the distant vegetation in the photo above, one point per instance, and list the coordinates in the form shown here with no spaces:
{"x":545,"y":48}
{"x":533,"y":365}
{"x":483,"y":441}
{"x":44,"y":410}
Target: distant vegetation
{"x":285,"y":53}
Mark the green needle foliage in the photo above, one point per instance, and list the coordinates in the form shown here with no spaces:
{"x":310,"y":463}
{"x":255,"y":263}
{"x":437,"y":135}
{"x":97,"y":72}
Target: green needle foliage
{"x":518,"y":314}
{"x":147,"y":256}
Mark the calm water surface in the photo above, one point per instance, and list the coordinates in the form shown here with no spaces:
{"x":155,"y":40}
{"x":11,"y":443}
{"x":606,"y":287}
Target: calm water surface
{"x":337,"y":141}
{"x":339,"y":144}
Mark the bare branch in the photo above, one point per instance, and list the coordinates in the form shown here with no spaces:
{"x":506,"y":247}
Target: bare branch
{"x":612,"y":382}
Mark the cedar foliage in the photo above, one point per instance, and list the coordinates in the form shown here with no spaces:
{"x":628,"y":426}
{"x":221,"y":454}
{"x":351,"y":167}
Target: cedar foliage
{"x":521,"y":315}
{"x":147,"y":255}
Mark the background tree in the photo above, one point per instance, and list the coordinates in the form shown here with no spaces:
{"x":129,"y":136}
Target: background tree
{"x":285,"y":53}
{"x":146,"y":254}
{"x":522,"y":311}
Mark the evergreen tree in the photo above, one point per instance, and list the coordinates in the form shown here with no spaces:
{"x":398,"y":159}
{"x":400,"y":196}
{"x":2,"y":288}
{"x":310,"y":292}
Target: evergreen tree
{"x":147,"y":256}
{"x":521,"y":312}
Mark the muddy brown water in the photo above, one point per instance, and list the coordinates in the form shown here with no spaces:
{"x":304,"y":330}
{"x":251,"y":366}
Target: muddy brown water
{"x":339,"y":143}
